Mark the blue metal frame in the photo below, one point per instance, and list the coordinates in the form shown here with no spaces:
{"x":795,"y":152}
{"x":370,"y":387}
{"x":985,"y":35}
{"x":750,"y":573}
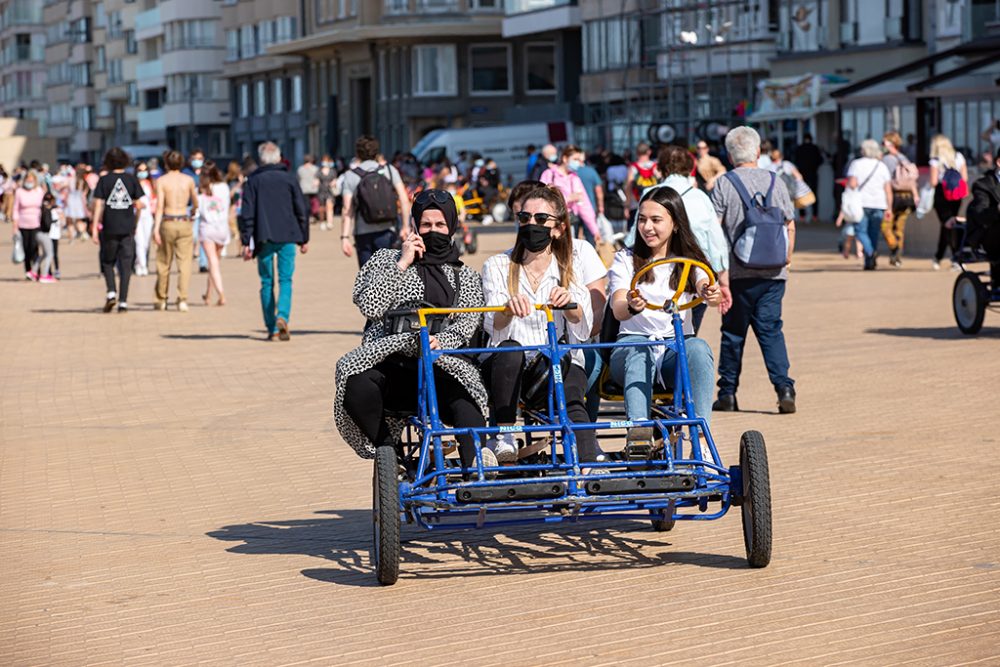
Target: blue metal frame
{"x":429,"y":499}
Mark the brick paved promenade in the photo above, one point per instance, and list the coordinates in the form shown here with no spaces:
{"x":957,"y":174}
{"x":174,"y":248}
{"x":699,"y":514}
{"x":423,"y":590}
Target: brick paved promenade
{"x":172,"y":491}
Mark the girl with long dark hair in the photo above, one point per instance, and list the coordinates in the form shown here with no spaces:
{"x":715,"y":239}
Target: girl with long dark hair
{"x":545,"y":266}
{"x":213,"y":225}
{"x":662,"y":232}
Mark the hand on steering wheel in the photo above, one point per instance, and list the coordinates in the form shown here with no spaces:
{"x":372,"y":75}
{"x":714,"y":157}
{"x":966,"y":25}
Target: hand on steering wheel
{"x":681,"y":285}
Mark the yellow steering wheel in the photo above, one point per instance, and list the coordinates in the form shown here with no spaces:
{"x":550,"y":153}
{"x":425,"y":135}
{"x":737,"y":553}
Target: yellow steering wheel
{"x":688,"y":263}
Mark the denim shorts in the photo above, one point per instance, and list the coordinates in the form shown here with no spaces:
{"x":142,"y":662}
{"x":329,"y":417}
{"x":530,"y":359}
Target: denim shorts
{"x":849,"y":229}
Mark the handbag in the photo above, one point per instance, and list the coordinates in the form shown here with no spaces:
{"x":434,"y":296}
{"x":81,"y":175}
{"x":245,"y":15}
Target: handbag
{"x":804,"y":196}
{"x":17,"y":254}
{"x":926,"y":201}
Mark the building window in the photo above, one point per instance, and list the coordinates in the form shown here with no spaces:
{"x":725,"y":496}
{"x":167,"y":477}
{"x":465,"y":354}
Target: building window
{"x":260,"y":99}
{"x":244,"y":103}
{"x":397,"y":6}
{"x":193,"y":34}
{"x":132,"y":91}
{"x":232,"y":45}
{"x":540,"y":68}
{"x":278,"y":96}
{"x":248,"y":41}
{"x":383,"y":75}
{"x":489,"y":4}
{"x":131,"y":46}
{"x":295,"y":105}
{"x":434,"y":70}
{"x":101,"y":62}
{"x":437,"y":5}
{"x":489,"y":69}
{"x":83,"y":118}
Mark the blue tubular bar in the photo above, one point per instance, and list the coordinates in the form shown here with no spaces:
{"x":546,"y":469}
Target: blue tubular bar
{"x":431,"y":497}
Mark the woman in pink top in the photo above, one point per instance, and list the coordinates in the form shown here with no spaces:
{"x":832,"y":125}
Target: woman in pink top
{"x":562,"y":176}
{"x":28,"y":218}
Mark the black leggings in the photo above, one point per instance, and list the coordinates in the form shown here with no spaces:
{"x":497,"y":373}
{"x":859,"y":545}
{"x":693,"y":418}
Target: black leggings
{"x":504,"y":371}
{"x":117,"y":249}
{"x":945,"y":210}
{"x":30,"y":244}
{"x":392,"y":385}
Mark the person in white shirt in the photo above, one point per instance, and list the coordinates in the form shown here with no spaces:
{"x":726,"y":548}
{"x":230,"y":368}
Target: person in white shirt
{"x":871,"y":177}
{"x":543,"y":267}
{"x":663,"y":232}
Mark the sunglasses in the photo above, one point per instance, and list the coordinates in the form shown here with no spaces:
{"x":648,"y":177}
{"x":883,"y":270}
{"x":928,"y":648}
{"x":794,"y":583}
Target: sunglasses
{"x":435,"y":196}
{"x":540,"y":218}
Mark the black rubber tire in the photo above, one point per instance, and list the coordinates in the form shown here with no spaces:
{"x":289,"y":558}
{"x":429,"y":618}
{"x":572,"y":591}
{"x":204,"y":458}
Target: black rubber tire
{"x":969,"y":316}
{"x":385,"y":516}
{"x":662,"y":525}
{"x":756,"y":507}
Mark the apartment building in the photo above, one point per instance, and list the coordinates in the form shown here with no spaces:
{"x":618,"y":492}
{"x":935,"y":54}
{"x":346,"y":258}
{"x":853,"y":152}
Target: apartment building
{"x":266,"y":92}
{"x":70,"y":93}
{"x":401,"y":68}
{"x":682,"y":68}
{"x":22,"y":61}
{"x":116,"y":113}
{"x":183,"y":99}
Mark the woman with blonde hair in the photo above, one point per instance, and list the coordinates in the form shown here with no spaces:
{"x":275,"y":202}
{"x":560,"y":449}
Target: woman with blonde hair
{"x":543,"y":267}
{"x":949,"y":177}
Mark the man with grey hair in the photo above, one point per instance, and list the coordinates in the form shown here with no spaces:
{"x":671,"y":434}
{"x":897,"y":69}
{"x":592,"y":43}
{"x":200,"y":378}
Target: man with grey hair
{"x":273,"y":220}
{"x":752,"y":297}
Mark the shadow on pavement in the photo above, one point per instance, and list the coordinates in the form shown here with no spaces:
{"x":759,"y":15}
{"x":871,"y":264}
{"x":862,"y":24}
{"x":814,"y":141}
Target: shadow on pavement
{"x":344,"y":540}
{"x":260,"y":336}
{"x":935,"y":333}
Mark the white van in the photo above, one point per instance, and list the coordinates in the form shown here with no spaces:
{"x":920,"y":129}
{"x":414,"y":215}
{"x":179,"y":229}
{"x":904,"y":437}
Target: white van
{"x":507,"y":144}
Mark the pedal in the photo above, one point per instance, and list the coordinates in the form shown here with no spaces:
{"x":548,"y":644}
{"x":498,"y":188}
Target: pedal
{"x":639,"y":444}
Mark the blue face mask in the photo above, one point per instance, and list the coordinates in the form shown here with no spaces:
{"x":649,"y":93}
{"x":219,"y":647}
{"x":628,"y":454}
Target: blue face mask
{"x":142,"y":174}
{"x":29,"y":186}
{"x":196,"y":164}
{"x":574,"y":165}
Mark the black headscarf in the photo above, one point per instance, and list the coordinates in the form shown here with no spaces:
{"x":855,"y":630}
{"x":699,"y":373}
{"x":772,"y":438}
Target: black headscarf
{"x":437,"y":290}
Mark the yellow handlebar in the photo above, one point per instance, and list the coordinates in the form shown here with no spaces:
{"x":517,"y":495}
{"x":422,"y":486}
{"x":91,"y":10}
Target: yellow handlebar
{"x":422,"y":313}
{"x":688,"y":263}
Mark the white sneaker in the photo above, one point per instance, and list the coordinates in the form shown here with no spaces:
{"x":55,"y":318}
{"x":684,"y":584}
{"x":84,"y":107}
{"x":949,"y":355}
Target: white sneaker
{"x":505,"y":447}
{"x":489,"y":458}
{"x":936,"y":265}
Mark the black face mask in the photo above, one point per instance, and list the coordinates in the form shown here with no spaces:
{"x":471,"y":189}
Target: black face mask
{"x":437,"y":245}
{"x":535,"y":238}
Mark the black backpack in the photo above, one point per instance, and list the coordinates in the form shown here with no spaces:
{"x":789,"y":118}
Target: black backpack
{"x":375,"y":196}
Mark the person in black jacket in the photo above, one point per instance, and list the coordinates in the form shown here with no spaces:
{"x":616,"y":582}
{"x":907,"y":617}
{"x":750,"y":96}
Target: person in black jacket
{"x":808,"y":159}
{"x":984,"y":214}
{"x":275,"y":218}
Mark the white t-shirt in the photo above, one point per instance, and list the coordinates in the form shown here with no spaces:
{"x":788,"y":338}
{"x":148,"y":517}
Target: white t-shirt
{"x":872,"y":189}
{"x":959,"y":162}
{"x":652,"y":323}
{"x":533,"y":330}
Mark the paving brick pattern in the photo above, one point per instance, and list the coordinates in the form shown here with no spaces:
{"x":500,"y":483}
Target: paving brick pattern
{"x":172,"y":491}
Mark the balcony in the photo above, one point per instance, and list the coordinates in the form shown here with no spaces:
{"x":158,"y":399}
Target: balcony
{"x":527,"y":17}
{"x":149,"y":75}
{"x":524,"y":6}
{"x":152,"y":121}
{"x":148,"y":24}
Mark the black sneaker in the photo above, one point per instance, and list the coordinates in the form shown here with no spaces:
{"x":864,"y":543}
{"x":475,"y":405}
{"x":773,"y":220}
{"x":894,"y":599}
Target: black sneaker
{"x":786,"y":400}
{"x":726,"y":403}
{"x":110,"y":304}
{"x":123,"y":308}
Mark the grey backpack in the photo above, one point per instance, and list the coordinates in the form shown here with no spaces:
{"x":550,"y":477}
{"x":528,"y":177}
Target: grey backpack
{"x":762,"y":240}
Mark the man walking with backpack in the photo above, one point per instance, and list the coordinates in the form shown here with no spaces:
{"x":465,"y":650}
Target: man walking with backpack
{"x":759,"y":221}
{"x":905,"y":196}
{"x":374,"y":198}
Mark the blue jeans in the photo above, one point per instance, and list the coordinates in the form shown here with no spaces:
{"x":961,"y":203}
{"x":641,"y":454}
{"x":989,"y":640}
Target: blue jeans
{"x":285,"y":252}
{"x":870,"y":229}
{"x":593,"y":364}
{"x":632,"y":367}
{"x":367,"y":245}
{"x":757,"y":304}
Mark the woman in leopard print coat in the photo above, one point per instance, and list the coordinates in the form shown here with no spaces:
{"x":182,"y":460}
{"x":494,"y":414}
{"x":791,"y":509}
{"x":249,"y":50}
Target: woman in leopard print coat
{"x":381,"y":374}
